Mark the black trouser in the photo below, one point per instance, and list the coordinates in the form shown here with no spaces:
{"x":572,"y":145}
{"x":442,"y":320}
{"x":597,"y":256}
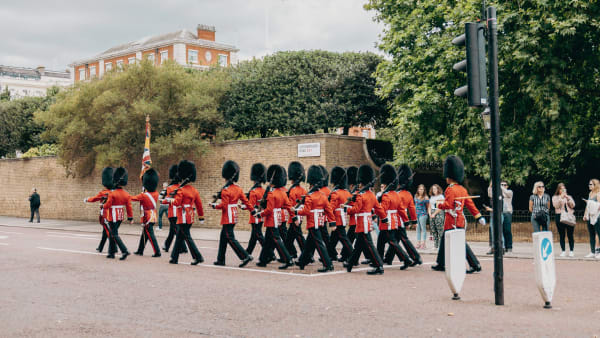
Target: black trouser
{"x":506,"y":230}
{"x":255,"y":236}
{"x":36,"y":211}
{"x":325,"y":234}
{"x":228,"y":237}
{"x":364,"y":244}
{"x":471,"y":258}
{"x":273,"y":242}
{"x":105,"y":233}
{"x":593,"y":230}
{"x":339,"y":235}
{"x":172,"y":232}
{"x":388,"y":237}
{"x":562,"y":230}
{"x":283,"y":231}
{"x":352,"y":234}
{"x":294,"y":234}
{"x":314,"y":241}
{"x":115,"y":240}
{"x":401,"y":237}
{"x":148,"y":234}
{"x":182,"y":238}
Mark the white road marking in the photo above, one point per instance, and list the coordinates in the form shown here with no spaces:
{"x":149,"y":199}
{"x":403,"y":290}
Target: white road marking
{"x":3,"y":243}
{"x":73,"y":237}
{"x":70,"y":234}
{"x":71,"y":251}
{"x":11,"y":232}
{"x":3,"y":237}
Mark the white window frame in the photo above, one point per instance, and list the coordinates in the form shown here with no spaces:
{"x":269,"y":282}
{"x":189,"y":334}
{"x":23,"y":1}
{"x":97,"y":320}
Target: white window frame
{"x":190,"y":53}
{"x":108,"y":66}
{"x":164,"y":56}
{"x":92,"y":71}
{"x":119,"y":64}
{"x":150,"y":57}
{"x":81,"y":70}
{"x":219,"y":60}
{"x":131,"y":60}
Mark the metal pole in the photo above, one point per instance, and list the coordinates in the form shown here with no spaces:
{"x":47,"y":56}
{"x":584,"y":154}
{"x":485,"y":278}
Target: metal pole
{"x":495,"y":168}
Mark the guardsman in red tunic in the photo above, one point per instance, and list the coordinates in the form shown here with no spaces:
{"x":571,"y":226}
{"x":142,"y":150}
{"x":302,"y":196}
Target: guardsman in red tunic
{"x":117,"y":203}
{"x":389,"y":201}
{"x":406,"y":202}
{"x":295,"y":194}
{"x":230,"y":195}
{"x":352,"y":173}
{"x":149,"y":201}
{"x":273,"y":214}
{"x":259,"y":176}
{"x":326,"y":192}
{"x":186,"y":198}
{"x":365,"y":201}
{"x":172,"y":211}
{"x":317,"y":210}
{"x":107,"y":182}
{"x":453,"y":205}
{"x":337,"y":199}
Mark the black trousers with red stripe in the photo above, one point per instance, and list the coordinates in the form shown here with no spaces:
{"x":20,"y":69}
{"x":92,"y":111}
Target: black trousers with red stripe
{"x":148,"y":234}
{"x":314,"y":241}
{"x":182,"y":238}
{"x":364,"y":244}
{"x":105,"y":233}
{"x":441,"y":257}
{"x":352,"y":234}
{"x":339,"y":235}
{"x":273,"y":242}
{"x":228,"y":237}
{"x":255,"y":236}
{"x":402,"y":237}
{"x":294,"y":234}
{"x":388,"y":237}
{"x":172,"y":232}
{"x":115,"y":240}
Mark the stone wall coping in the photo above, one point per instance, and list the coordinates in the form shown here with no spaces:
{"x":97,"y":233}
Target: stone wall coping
{"x":27,"y":158}
{"x":307,"y":136}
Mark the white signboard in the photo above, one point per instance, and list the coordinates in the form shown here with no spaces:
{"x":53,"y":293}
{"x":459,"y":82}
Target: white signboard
{"x":455,"y":256}
{"x":545,"y":271}
{"x":309,"y":149}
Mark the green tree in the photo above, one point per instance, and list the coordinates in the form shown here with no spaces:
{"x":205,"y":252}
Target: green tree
{"x":549,"y":84}
{"x":101,"y":122}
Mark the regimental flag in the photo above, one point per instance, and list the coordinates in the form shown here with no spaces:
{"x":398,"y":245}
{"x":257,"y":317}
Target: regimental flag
{"x":146,"y":161}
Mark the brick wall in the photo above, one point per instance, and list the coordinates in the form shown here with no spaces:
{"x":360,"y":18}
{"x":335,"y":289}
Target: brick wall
{"x":62,"y":197}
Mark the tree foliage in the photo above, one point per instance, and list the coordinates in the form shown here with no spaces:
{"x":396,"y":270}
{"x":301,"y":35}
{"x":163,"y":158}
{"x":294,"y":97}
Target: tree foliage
{"x":301,"y":92}
{"x":549,"y":85}
{"x":101,"y":122}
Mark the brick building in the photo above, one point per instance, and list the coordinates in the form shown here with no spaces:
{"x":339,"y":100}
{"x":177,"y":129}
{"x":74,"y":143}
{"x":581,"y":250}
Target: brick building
{"x":198,"y":50}
{"x":21,"y":82}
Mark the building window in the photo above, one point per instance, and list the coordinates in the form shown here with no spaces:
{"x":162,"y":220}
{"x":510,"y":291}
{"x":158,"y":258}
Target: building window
{"x":81,"y":74}
{"x":119,"y":64}
{"x":108,"y":66}
{"x":222,"y":60}
{"x":192,"y":56}
{"x":92,"y":71}
{"x":164,"y":56}
{"x":150,"y":57}
{"x":131,"y":60}
{"x":365,"y":133}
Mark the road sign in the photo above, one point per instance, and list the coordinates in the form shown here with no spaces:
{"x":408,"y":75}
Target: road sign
{"x":545,"y":270}
{"x":455,"y":256}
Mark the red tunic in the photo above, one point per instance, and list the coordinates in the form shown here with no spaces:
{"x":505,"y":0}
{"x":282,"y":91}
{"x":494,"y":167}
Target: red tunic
{"x":325,"y":191}
{"x":229,"y":203}
{"x":148,"y":201}
{"x":364,"y":204}
{"x":316,"y":207}
{"x":406,"y":202}
{"x":454,"y":208}
{"x":186,"y":198}
{"x":277,"y":203}
{"x":336,"y":199}
{"x":295,"y":193}
{"x":118,"y":200}
{"x":286,"y":211}
{"x":389,"y":202}
{"x":99,"y":197}
{"x":255,"y":195}
{"x":172,"y":211}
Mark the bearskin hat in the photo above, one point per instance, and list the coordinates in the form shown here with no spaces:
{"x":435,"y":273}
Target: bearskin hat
{"x":231,"y":171}
{"x":296,"y":172}
{"x":279,"y":177}
{"x":258,"y":173}
{"x":150,"y":180}
{"x":388,"y":174}
{"x":271,"y":173}
{"x":120,"y":177}
{"x":339,"y":177}
{"x":352,"y":173}
{"x":366,"y":174}
{"x":173,"y":177}
{"x":314,"y":175}
{"x":107,"y":177}
{"x":325,"y":181}
{"x":454,"y":168}
{"x":405,"y":177}
{"x":187,"y":170}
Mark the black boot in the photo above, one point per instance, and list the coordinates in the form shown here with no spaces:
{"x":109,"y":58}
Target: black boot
{"x":348,"y":266}
{"x":326,"y":268}
{"x":407,"y":263}
{"x":438,"y":267}
{"x":124,"y":256}
{"x":246,"y":261}
{"x":474,"y":269}
{"x":376,"y":271}
{"x":286,"y":265}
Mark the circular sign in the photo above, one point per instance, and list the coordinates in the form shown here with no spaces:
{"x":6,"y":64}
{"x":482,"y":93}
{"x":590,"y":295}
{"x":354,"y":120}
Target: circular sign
{"x":546,"y":248}
{"x":208,"y":56}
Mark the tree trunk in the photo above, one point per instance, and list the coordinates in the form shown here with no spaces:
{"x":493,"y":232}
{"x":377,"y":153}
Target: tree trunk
{"x":346,"y":130}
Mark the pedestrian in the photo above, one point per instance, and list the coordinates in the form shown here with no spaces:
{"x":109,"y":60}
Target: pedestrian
{"x":118,"y":199}
{"x":490,"y":229}
{"x":295,"y":194}
{"x":422,"y":205}
{"x":564,"y":217}
{"x":539,"y":206}
{"x":591,"y":216}
{"x":34,"y":205}
{"x":230,"y":195}
{"x":148,"y":201}
{"x":339,"y":196}
{"x":107,"y":182}
{"x":436,"y":215}
{"x":507,"y":211}
{"x":258,"y":174}
{"x":162,"y":208}
{"x":174,"y":181}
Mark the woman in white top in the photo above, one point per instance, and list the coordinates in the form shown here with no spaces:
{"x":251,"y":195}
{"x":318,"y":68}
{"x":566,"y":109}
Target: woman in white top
{"x":436,"y":216}
{"x":564,"y":203}
{"x":593,"y":228}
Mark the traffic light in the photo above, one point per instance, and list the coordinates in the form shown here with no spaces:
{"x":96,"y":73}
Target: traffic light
{"x":474,"y":65}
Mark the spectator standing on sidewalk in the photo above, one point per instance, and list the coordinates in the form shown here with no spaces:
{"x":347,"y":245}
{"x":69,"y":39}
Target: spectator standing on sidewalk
{"x":539,"y":206}
{"x":436,"y":216}
{"x":34,"y":205}
{"x":563,"y":203}
{"x":591,"y":216}
{"x":422,"y":205}
{"x":506,"y":217}
{"x":163,"y":208}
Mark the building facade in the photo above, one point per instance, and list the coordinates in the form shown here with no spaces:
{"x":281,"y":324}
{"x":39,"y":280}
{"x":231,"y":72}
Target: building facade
{"x":198,"y":50}
{"x":22,"y":82}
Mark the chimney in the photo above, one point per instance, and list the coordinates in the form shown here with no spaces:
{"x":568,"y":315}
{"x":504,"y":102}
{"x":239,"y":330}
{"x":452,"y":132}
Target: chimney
{"x":206,"y":32}
{"x":41,"y":69}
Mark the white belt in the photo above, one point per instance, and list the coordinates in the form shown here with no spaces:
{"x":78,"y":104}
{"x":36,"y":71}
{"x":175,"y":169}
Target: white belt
{"x":342,"y":215}
{"x":183,"y":213}
{"x":113,"y":208}
{"x":366,"y":216}
{"x":316,"y":216}
{"x":277,"y":217}
{"x":230,"y":212}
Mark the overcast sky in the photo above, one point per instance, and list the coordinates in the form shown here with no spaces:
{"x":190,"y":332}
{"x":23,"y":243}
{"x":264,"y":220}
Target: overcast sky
{"x":55,"y":33}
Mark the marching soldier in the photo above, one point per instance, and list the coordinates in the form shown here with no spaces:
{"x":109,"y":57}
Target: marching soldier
{"x":186,"y":198}
{"x":325,"y":191}
{"x":172,"y":211}
{"x":296,"y":175}
{"x":315,"y":208}
{"x":277,"y":202}
{"x":107,"y":182}
{"x":148,"y":200}
{"x":363,"y":204}
{"x":118,"y":199}
{"x":453,"y":205}
{"x":352,"y":173}
{"x":230,"y":195}
{"x":389,"y":201}
{"x":259,"y":176}
{"x":337,"y":199}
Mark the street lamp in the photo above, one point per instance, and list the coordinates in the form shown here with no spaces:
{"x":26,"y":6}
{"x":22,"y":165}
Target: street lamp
{"x":487,"y":119}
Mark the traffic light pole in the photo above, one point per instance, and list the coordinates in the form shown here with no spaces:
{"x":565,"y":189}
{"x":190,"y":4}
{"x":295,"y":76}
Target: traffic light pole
{"x":495,"y":154}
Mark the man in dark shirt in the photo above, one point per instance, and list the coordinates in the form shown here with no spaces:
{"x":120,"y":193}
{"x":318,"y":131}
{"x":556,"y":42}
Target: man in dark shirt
{"x":34,"y":205}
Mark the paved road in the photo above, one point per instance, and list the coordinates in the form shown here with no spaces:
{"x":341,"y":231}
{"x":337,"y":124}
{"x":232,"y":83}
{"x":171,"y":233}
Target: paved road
{"x":55,"y":285}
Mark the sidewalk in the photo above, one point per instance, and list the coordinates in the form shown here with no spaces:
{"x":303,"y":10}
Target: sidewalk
{"x":520,"y":250}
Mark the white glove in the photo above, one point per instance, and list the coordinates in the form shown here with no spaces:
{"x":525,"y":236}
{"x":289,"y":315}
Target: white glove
{"x":170,"y":199}
{"x":213,"y":205}
{"x":482,"y":221}
{"x":202,"y":222}
{"x":85,"y":200}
